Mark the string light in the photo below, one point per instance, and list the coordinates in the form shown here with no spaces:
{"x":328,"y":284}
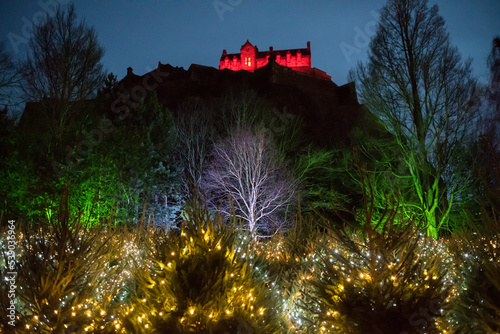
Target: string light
{"x":109,"y":298}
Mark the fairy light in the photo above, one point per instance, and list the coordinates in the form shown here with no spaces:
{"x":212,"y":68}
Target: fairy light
{"x":242,"y":296}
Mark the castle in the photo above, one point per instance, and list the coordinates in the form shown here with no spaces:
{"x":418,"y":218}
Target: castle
{"x":250,"y":59}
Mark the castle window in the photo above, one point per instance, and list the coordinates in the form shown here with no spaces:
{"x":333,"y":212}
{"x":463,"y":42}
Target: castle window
{"x":248,"y":61}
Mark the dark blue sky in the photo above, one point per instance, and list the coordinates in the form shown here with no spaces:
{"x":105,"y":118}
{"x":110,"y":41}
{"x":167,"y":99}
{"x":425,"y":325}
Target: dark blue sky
{"x":182,"y":32}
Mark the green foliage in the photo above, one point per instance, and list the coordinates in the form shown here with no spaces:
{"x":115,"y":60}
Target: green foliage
{"x":125,"y":163}
{"x":95,"y":194}
{"x":24,"y":193}
{"x":316,"y":171}
{"x":19,"y":179}
{"x":139,"y":154}
{"x":332,"y":179}
{"x":113,"y":165}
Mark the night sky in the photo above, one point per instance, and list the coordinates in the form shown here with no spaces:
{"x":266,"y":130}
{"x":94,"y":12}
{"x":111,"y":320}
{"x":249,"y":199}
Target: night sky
{"x":141,"y":33}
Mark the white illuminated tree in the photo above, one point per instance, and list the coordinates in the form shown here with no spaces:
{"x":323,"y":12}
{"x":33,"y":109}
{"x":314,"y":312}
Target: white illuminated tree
{"x":247,"y":179}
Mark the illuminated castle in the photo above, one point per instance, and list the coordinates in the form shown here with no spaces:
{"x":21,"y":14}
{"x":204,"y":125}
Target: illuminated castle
{"x":250,"y":59}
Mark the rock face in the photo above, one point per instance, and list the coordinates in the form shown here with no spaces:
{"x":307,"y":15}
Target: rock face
{"x":329,"y":111}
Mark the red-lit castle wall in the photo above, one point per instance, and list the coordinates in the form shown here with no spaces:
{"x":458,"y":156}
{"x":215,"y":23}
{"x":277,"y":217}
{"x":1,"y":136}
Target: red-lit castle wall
{"x":250,"y":59}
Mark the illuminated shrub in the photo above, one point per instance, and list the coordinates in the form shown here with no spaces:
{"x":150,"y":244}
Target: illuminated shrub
{"x":476,"y":306}
{"x":366,"y":285}
{"x":67,"y":279}
{"x":210,"y":277}
{"x":201,"y":281}
{"x":382,"y":277}
{"x":292,"y":259}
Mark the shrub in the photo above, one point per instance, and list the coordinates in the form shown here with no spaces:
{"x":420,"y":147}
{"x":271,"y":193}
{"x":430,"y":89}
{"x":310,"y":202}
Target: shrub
{"x":67,"y":277}
{"x":202,"y":281}
{"x":476,"y":306}
{"x":377,"y":278}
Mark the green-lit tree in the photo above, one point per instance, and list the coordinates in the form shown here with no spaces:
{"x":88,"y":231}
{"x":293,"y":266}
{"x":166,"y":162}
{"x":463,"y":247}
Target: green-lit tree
{"x":417,"y":84}
{"x":62,"y":72}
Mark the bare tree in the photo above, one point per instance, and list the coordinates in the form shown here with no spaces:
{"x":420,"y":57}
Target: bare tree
{"x":63,"y":67}
{"x":417,"y":84}
{"x":246,"y":178}
{"x":243,"y":108}
{"x":494,"y":85}
{"x":9,"y":78}
{"x":486,"y":152}
{"x":195,"y":133}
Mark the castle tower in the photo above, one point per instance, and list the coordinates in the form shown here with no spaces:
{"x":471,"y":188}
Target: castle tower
{"x":247,"y":57}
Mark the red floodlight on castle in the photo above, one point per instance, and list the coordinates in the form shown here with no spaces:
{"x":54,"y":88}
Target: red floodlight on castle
{"x":250,"y":59}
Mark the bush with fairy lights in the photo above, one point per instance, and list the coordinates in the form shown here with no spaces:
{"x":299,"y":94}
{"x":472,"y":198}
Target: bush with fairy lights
{"x":380,"y":277}
{"x":475,"y":307}
{"x":204,"y":281}
{"x":67,"y":277}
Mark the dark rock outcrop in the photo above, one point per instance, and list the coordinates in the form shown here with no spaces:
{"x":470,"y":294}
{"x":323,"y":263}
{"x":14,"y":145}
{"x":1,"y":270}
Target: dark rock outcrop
{"x":329,"y":111}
